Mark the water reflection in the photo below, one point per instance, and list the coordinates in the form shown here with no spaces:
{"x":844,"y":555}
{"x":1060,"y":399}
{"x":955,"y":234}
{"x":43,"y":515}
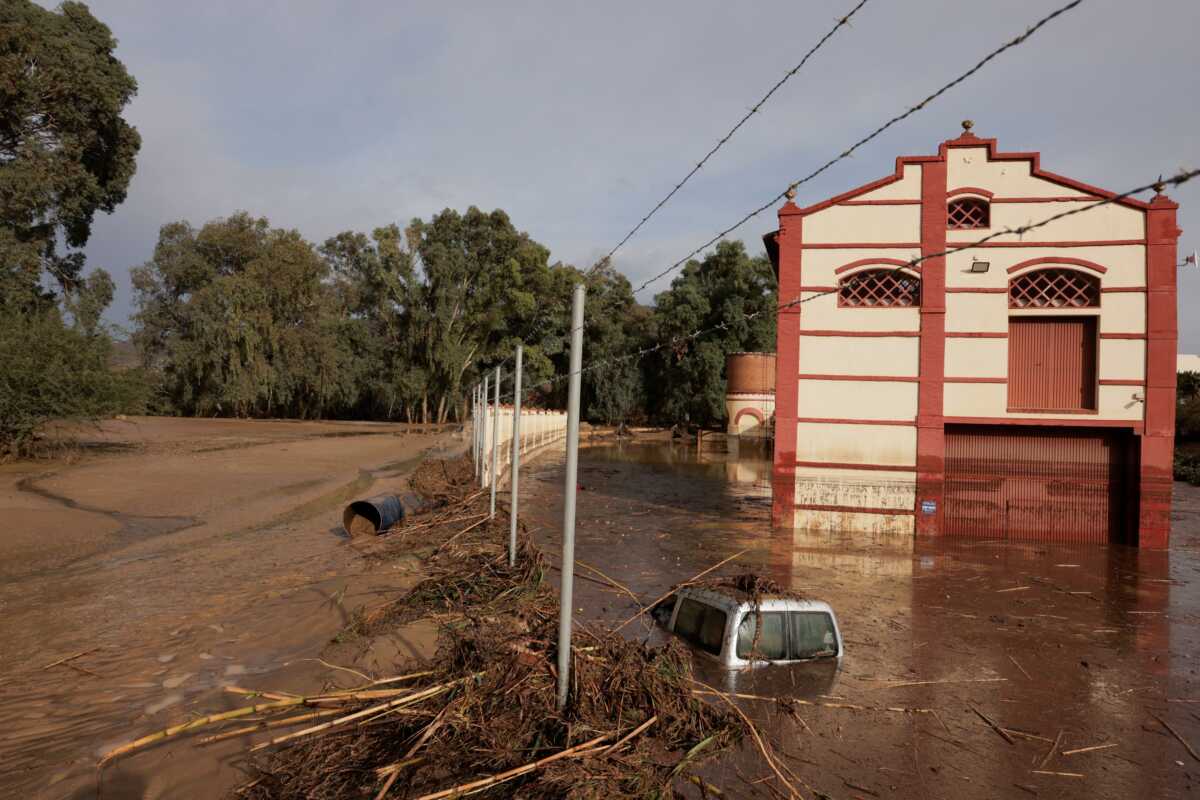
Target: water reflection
{"x":1051,"y":642}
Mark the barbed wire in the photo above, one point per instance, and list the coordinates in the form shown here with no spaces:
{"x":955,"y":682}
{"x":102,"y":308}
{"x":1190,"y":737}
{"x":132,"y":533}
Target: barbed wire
{"x":542,"y":386}
{"x":843,"y":21}
{"x":1008,"y":45}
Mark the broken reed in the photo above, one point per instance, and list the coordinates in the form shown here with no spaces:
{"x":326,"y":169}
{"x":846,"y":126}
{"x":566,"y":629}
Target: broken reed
{"x":485,"y":715}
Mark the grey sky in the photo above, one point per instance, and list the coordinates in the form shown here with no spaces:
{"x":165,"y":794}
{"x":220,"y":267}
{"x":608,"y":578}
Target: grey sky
{"x":577,"y":117}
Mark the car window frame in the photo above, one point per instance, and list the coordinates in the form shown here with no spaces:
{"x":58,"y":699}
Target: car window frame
{"x":751,"y":655}
{"x":694,"y":639}
{"x":832,"y":626}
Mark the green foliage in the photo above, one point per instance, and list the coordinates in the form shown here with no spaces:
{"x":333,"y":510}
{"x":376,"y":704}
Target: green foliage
{"x":242,"y":321}
{"x":65,"y":151}
{"x":614,"y":391}
{"x":485,"y":287}
{"x":1187,"y":467}
{"x":53,"y":370}
{"x":687,"y":378}
{"x":1187,"y":407}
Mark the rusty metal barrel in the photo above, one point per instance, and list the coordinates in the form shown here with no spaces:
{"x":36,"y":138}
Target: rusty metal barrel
{"x":750,"y":373}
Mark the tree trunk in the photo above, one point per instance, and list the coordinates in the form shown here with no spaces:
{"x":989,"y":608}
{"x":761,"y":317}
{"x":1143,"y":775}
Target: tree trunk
{"x":441,"y":412}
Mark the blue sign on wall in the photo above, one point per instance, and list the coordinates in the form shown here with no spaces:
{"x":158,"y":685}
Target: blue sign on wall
{"x":929,"y":506}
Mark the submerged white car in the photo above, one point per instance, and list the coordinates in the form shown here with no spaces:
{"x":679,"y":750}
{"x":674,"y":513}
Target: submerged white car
{"x":723,"y":626}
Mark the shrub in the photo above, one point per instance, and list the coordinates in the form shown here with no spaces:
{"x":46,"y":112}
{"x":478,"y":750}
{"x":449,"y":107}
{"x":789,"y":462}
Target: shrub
{"x":50,"y":370}
{"x":1187,"y":467}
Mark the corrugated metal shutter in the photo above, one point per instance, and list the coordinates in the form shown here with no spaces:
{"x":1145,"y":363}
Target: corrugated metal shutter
{"x":1047,"y":484}
{"x":1051,"y":363}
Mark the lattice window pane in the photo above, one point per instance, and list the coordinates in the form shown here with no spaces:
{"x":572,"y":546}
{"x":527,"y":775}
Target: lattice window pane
{"x":880,"y":288}
{"x":967,"y":213}
{"x":1054,"y":288}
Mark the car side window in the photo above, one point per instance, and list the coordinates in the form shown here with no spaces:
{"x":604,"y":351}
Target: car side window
{"x":812,"y":635}
{"x":700,"y":624}
{"x":772,"y":642}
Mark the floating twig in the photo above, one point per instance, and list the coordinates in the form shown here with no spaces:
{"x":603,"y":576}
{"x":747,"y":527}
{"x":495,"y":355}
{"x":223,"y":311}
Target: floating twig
{"x":1050,"y":753}
{"x":754,"y":733}
{"x":993,"y":725}
{"x":1017,"y":664}
{"x":1175,"y":733}
{"x":948,"y":680}
{"x":1058,"y":774}
{"x":689,"y":581}
{"x":1091,"y":749}
{"x":72,"y":657}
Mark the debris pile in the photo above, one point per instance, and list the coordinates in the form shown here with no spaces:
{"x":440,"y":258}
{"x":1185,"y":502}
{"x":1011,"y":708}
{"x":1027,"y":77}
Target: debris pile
{"x":484,"y":714}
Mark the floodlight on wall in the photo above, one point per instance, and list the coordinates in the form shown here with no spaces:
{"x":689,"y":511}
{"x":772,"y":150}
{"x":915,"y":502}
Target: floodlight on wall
{"x":980,"y":266}
{"x":1191,"y":261}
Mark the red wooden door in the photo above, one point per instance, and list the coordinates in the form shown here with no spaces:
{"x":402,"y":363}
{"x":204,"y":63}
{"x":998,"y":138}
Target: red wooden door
{"x":1052,"y":364}
{"x":1047,"y":484}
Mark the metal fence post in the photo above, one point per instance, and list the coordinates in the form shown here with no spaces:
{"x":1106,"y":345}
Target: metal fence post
{"x":516,"y":462}
{"x":483,"y":441}
{"x":566,"y":599}
{"x":495,"y":442}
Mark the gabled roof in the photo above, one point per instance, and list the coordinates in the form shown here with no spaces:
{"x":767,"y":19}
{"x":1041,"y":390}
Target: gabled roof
{"x":968,"y":139}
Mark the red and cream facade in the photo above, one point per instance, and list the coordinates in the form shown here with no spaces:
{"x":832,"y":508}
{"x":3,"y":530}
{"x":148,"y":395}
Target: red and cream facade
{"x":1027,"y":398}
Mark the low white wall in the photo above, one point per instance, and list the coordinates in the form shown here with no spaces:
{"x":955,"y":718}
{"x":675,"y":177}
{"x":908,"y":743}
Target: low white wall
{"x":539,"y":429}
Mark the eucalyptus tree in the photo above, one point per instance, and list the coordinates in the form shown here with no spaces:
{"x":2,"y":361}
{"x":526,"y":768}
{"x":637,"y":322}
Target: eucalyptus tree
{"x":241,"y":320}
{"x":485,"y":286}
{"x":65,"y":150}
{"x":732,"y":297}
{"x":66,"y":153}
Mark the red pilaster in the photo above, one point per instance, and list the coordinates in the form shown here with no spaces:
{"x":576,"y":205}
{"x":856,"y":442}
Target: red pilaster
{"x":787,"y":369}
{"x":1158,"y":441}
{"x":931,"y":435}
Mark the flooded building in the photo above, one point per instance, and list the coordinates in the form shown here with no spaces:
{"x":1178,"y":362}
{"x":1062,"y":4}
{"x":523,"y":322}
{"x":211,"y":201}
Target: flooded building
{"x":1022,"y":387}
{"x":750,"y":394}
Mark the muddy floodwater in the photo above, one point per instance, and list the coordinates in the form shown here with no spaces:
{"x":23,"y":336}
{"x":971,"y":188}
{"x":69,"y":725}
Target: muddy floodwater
{"x":166,"y":560}
{"x":973,"y":668}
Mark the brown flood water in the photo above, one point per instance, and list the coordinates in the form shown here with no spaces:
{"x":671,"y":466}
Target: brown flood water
{"x":1066,"y":647}
{"x":179,"y":556}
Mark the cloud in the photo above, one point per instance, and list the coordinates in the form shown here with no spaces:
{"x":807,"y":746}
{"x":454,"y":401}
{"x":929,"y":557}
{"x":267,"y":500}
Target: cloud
{"x":577,"y":118}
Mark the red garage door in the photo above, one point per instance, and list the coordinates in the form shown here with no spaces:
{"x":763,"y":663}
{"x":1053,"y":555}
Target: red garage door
{"x":1048,"y":484}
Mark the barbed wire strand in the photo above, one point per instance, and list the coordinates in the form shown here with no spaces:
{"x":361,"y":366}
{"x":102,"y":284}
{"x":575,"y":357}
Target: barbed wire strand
{"x":1011,"y":43}
{"x":1181,"y":178}
{"x":842,"y":22}
{"x":1008,"y":45}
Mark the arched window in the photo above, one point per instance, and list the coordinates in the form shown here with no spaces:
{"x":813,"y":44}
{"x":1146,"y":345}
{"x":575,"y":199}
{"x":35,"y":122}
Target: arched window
{"x":1054,"y":288}
{"x":966,"y":213}
{"x":879,"y":288}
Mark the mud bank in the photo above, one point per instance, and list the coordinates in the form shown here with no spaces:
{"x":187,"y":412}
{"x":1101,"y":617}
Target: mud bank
{"x":1078,"y":654}
{"x":177,"y":556}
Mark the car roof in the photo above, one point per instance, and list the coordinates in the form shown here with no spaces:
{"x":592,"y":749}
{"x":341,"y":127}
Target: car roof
{"x":729,"y":601}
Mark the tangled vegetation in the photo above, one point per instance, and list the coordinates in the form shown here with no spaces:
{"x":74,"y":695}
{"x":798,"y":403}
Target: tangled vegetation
{"x":483,"y":713}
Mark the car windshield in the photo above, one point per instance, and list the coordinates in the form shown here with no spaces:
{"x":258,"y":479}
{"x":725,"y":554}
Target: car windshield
{"x":796,"y":635}
{"x":700,"y":624}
